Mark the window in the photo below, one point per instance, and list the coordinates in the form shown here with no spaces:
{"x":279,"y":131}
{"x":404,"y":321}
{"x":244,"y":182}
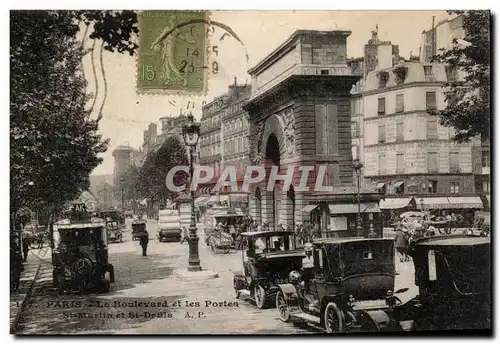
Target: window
{"x":400,"y":163}
{"x":485,"y":159}
{"x":430,"y":101}
{"x":381,"y":164}
{"x":454,"y":187}
{"x":325,"y":72}
{"x":381,"y":106}
{"x":400,"y":188}
{"x":486,"y":186}
{"x":432,"y":133}
{"x":399,"y":132}
{"x":454,"y":162}
{"x":400,"y":103}
{"x":381,"y":133}
{"x":428,"y":70}
{"x":432,"y":165}
{"x":433,"y":185}
{"x":451,"y":73}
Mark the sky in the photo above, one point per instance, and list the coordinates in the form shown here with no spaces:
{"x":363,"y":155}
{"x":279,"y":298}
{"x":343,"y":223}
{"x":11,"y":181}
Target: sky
{"x":126,"y":114}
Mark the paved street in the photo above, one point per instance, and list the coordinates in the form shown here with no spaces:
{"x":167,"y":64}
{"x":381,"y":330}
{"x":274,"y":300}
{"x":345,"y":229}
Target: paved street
{"x":186,"y":307}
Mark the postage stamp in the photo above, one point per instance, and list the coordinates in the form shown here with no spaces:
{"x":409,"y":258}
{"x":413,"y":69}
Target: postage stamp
{"x":172,"y":57}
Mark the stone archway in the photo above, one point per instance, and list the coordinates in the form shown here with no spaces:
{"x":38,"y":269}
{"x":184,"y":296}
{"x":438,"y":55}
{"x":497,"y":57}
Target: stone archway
{"x":272,"y":148}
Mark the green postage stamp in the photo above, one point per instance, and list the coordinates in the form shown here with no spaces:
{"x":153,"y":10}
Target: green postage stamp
{"x":172,"y":54}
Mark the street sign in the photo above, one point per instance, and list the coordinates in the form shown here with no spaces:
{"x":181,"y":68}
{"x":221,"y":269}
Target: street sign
{"x":79,"y":208}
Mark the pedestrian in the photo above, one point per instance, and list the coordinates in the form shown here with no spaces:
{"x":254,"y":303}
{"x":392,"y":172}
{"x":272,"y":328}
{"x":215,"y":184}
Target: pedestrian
{"x":143,"y":241}
{"x":232,"y":231}
{"x":400,"y":243}
{"x":185,"y":235}
{"x":25,"y":248}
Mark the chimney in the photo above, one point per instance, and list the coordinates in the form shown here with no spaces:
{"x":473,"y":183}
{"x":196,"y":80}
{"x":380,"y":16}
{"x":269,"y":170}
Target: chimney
{"x":433,"y":37}
{"x":235,"y":83}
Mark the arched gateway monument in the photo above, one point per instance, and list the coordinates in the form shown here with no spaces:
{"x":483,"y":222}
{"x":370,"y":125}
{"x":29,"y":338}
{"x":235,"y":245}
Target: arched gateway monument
{"x":300,"y":116}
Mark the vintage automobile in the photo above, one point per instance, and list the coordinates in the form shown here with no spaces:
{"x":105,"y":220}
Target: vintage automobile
{"x":350,"y":288}
{"x":114,"y":231}
{"x":169,"y":227}
{"x":111,"y":213}
{"x":452,"y":273}
{"x":138,"y":229}
{"x":80,"y":255}
{"x":267,"y":261}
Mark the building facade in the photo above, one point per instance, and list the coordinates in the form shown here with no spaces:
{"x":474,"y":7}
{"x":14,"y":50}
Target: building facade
{"x":300,"y":114}
{"x":210,"y":142}
{"x":235,"y":129}
{"x":406,"y":151}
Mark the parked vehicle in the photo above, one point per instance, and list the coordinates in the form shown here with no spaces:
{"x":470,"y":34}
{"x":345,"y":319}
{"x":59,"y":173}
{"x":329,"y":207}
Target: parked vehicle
{"x":267,"y":262}
{"x":349,"y":288}
{"x":169,"y":227}
{"x":80,"y":255}
{"x":452,"y":273}
{"x":219,"y":240}
{"x":138,"y":228}
{"x":114,"y":231}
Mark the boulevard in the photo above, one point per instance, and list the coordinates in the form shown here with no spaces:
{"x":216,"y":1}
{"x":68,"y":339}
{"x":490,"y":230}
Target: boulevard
{"x":148,"y":298}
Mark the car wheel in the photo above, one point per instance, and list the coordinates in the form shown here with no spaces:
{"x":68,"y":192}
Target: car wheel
{"x":282,"y":307}
{"x":259,"y":295}
{"x":333,"y":318}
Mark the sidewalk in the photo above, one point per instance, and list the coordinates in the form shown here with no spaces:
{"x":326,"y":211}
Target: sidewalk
{"x":18,"y":298}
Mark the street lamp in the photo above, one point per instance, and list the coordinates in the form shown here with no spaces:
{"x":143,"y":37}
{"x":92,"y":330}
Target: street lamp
{"x":191,"y":134}
{"x":122,"y":183}
{"x":357,"y":167}
{"x":422,"y":206}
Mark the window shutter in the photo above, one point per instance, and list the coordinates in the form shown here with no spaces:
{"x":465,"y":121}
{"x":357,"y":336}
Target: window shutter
{"x":430,"y":100}
{"x":432,"y":162}
{"x":432,"y":133}
{"x":400,"y":103}
{"x":381,"y":106}
{"x":381,"y":133}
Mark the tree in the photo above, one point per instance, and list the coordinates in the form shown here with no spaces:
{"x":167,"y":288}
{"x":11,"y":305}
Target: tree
{"x":152,"y":175}
{"x":468,"y":99}
{"x":54,"y":144}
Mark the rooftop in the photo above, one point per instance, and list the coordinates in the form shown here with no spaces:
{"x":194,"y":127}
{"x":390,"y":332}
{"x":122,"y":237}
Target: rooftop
{"x":288,"y":43}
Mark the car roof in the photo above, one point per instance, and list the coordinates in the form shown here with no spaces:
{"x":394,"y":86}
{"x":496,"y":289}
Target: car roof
{"x":284,"y":254}
{"x":267,"y":233}
{"x":458,"y":240}
{"x":348,"y":240}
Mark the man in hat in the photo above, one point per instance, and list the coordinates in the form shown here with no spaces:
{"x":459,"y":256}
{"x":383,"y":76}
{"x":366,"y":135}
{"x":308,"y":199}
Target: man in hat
{"x":143,"y":241}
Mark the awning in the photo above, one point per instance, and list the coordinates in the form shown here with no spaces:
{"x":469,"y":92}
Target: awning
{"x":398,"y":184}
{"x":394,"y":203}
{"x":220,"y":198}
{"x":353,"y":208}
{"x":433,"y":203}
{"x":466,"y":202}
{"x":380,"y":185}
{"x":489,"y":200}
{"x":201,"y":200}
{"x":239,"y":198}
{"x":308,"y":208}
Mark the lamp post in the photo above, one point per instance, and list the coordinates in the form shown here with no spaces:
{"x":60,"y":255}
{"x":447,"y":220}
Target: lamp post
{"x":422,"y":206}
{"x":357,"y":167}
{"x":122,"y":184}
{"x":190,"y":135}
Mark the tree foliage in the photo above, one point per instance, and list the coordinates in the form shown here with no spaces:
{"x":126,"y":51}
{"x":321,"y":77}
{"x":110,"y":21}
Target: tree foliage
{"x":468,"y":99}
{"x":152,"y":175}
{"x":54,"y":145}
